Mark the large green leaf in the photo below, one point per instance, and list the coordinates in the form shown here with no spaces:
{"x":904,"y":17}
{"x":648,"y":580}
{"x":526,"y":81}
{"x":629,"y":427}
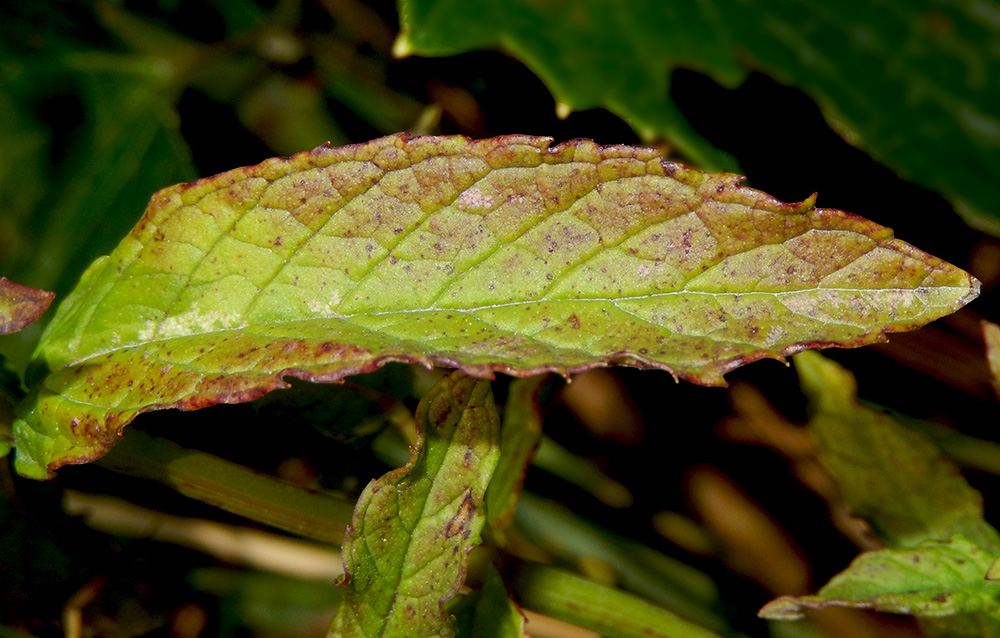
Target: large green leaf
{"x":915,"y":83}
{"x":405,"y":554}
{"x":492,"y":255}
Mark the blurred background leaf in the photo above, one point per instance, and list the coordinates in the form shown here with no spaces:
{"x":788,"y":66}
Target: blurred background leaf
{"x":914,"y":83}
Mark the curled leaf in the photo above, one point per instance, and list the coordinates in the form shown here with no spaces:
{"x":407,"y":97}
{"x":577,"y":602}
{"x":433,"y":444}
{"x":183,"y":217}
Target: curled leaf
{"x":498,"y":255}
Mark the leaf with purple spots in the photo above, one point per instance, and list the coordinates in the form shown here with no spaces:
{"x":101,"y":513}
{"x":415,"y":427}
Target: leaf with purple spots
{"x":498,"y":255}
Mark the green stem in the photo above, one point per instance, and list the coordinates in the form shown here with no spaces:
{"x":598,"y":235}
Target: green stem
{"x":640,"y":569}
{"x":607,"y":611}
{"x":232,"y":487}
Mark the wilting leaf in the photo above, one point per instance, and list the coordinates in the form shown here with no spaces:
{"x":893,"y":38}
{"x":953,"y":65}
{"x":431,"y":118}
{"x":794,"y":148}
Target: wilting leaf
{"x":936,"y":578}
{"x":20,"y":306}
{"x":913,"y":82}
{"x":890,"y":475}
{"x":406,"y":552}
{"x":491,"y":255}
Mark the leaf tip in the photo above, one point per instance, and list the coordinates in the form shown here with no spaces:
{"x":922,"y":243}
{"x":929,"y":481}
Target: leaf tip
{"x":784,"y":608}
{"x":403,"y":46}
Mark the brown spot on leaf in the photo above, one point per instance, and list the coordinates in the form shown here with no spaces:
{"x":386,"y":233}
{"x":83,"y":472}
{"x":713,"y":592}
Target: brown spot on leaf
{"x":461,"y":522}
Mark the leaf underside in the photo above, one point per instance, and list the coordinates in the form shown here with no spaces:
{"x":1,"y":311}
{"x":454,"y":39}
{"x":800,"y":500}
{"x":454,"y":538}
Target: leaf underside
{"x":498,"y":255}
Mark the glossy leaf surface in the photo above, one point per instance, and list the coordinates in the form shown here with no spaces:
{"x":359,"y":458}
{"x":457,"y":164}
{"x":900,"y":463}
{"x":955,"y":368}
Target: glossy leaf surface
{"x":502,"y":254}
{"x":915,"y":83}
{"x":405,"y":554}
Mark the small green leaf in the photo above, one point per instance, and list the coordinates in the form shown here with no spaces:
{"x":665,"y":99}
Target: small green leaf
{"x":21,"y":306}
{"x":485,"y":255}
{"x":890,"y":475}
{"x":935,"y":578}
{"x":405,"y":554}
{"x":915,"y":83}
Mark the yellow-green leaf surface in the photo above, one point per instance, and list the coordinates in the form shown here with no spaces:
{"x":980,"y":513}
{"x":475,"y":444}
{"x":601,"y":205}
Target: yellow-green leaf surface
{"x":915,"y":82}
{"x":406,"y":552}
{"x":20,"y":306}
{"x":503,"y":254}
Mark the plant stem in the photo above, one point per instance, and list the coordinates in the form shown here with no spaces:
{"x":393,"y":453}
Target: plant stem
{"x":232,"y":487}
{"x":657,"y":577}
{"x":608,"y":611}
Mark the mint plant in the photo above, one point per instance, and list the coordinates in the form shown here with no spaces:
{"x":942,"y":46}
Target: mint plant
{"x":500,"y":255}
{"x":295,"y":292}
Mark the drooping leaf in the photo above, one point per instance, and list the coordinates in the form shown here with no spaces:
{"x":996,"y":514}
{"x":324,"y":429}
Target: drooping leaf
{"x":890,"y":475}
{"x":915,"y":83}
{"x":21,"y":306}
{"x":493,"y":255}
{"x":935,"y":578}
{"x":405,"y":554}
